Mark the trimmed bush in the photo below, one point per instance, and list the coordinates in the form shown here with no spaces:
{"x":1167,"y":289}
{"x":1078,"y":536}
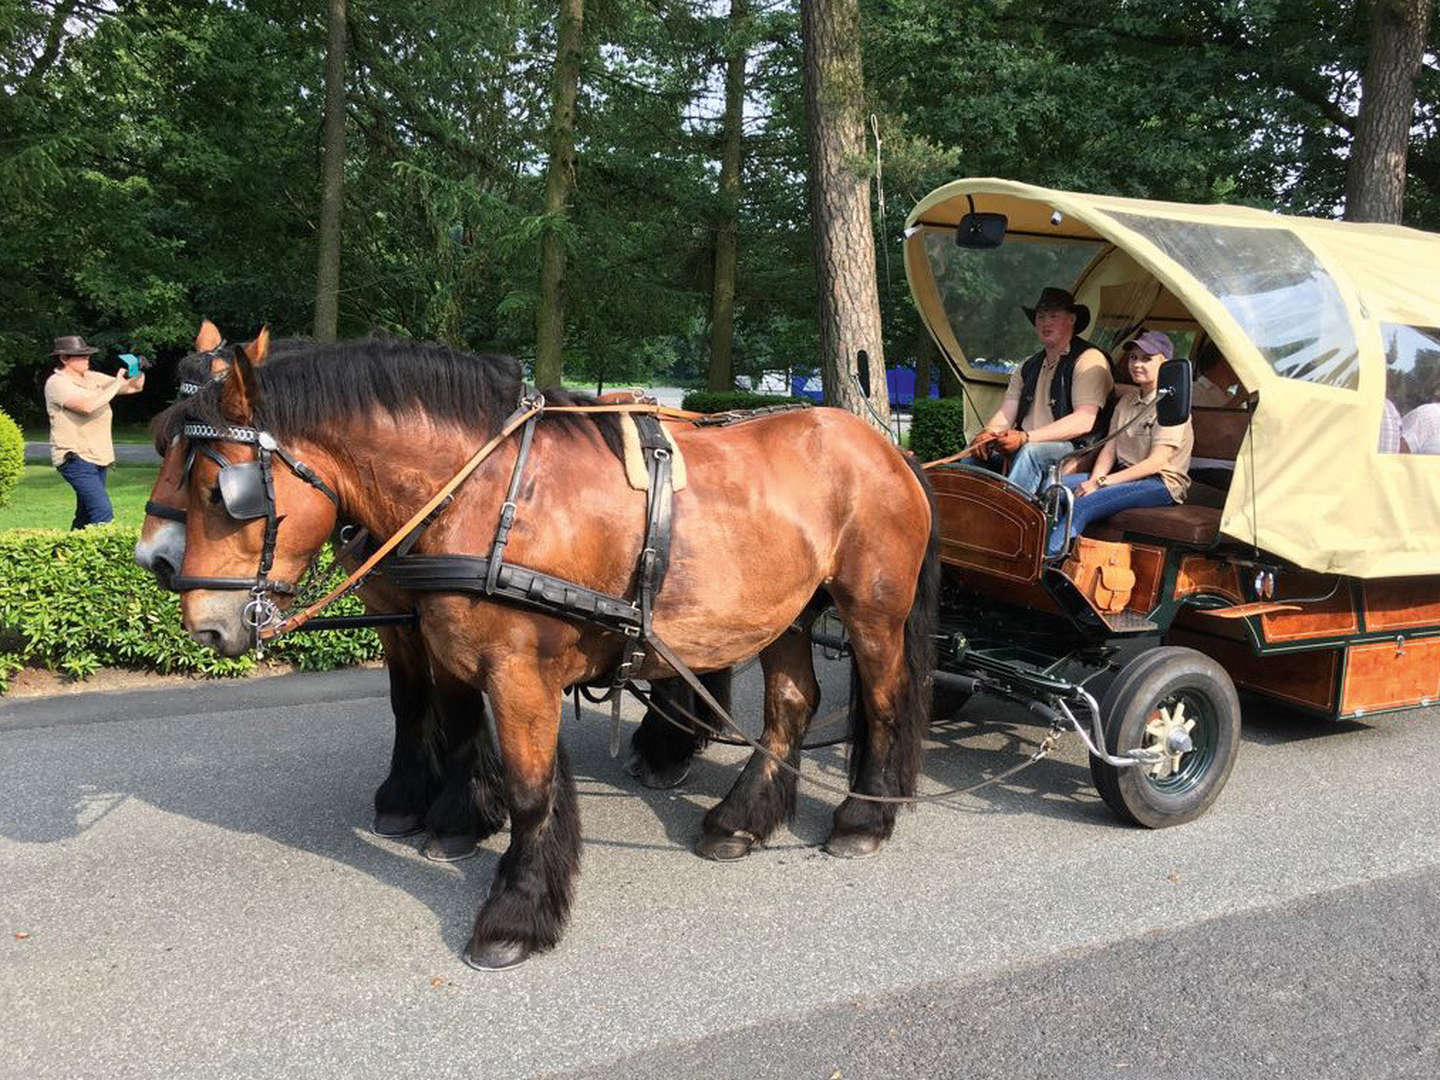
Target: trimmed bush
{"x":937,"y":428}
{"x":74,"y":602}
{"x":12,"y":457}
{"x":713,"y":401}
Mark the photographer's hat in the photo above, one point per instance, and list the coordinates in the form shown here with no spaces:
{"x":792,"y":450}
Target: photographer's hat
{"x":72,"y":345}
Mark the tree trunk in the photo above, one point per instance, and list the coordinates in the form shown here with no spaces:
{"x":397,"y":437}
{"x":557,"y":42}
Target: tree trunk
{"x":559,"y":182}
{"x":840,"y":207}
{"x":1375,"y":182}
{"x":722,"y":298}
{"x":332,"y":179}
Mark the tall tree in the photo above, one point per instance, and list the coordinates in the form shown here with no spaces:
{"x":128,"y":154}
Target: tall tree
{"x":332,"y":179}
{"x":722,"y":297}
{"x":1375,"y":180}
{"x":840,"y":206}
{"x":559,"y":181}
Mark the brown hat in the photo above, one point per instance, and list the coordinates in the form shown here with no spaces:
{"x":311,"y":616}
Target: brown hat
{"x":72,"y":345}
{"x":1052,"y":299}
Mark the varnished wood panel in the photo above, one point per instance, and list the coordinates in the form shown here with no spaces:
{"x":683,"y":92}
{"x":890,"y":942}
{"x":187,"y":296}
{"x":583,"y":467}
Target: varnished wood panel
{"x":1384,"y":675}
{"x":987,"y":526}
{"x":1149,"y":565}
{"x":1402,"y":603}
{"x":1205,"y":574}
{"x":1316,"y":619}
{"x":1306,"y":678}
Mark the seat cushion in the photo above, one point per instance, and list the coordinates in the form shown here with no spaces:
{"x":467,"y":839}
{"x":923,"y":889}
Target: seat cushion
{"x":1185,"y":524}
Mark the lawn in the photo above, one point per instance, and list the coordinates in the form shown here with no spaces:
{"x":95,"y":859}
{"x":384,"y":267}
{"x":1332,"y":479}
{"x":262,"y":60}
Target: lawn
{"x":43,"y":500}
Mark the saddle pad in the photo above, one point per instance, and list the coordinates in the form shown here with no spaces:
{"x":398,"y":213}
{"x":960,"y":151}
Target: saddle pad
{"x":636,"y":472}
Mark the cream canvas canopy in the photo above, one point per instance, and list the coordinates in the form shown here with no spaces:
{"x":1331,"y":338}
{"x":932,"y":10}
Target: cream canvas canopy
{"x":1299,"y":307}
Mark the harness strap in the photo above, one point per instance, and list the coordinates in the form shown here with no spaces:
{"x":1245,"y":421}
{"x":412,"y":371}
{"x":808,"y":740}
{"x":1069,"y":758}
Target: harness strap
{"x":507,"y":509}
{"x":169,"y":513}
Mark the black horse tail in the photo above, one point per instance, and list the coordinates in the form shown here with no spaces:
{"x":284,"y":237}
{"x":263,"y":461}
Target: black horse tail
{"x":901,"y":768}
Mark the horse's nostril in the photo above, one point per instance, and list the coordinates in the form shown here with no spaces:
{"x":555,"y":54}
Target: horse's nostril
{"x":164,"y":573}
{"x":210,"y":639}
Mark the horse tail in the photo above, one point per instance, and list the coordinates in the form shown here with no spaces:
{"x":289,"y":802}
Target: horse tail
{"x":912,"y":717}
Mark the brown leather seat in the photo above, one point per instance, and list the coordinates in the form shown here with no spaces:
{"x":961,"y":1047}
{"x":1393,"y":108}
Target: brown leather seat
{"x":1185,"y":524}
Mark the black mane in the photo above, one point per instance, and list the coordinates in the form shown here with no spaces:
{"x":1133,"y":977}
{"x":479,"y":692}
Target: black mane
{"x":308,"y":386}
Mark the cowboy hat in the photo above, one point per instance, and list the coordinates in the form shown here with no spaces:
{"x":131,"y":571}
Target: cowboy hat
{"x":1051,"y":298}
{"x":72,"y":345}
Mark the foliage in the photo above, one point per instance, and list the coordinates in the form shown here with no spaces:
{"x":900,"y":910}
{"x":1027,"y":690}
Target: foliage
{"x":937,"y":428}
{"x":75,"y":602}
{"x":12,"y":457}
{"x":716,"y":401}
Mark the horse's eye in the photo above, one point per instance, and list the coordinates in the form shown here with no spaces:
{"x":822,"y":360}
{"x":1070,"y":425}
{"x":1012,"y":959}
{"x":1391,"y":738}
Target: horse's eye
{"x":214,"y":495}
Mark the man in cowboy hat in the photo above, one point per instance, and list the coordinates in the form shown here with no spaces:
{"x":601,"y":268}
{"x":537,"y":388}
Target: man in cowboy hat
{"x":78,"y":403}
{"x":1054,"y":397}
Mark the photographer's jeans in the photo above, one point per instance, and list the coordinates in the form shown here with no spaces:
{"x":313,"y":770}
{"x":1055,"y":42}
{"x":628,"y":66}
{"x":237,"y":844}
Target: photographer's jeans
{"x":92,"y":504}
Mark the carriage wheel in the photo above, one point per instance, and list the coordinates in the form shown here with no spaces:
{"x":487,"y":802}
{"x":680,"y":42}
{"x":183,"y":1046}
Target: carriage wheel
{"x":1158,"y":697}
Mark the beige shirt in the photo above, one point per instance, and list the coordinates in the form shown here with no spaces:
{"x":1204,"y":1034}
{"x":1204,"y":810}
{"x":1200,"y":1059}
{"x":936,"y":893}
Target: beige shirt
{"x":1090,"y":385}
{"x":87,"y":436}
{"x":1136,"y":444}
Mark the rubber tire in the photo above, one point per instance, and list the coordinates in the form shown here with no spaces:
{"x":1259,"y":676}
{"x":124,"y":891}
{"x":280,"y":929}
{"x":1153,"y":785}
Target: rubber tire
{"x":1127,"y":705}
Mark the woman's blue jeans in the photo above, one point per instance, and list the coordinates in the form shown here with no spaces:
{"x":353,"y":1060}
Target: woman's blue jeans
{"x":1102,"y":502}
{"x":92,"y":504}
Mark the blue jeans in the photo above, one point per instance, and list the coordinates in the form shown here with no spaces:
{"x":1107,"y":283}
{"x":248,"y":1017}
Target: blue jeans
{"x":1033,"y":460}
{"x":92,"y":504}
{"x":1102,"y":502}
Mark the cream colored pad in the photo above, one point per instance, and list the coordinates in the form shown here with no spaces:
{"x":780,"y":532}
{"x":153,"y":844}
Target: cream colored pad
{"x":635,"y":471}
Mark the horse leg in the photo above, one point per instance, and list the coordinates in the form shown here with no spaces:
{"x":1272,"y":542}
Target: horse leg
{"x":530,"y":897}
{"x":764,"y":794}
{"x":471,"y":802}
{"x":661,"y":752}
{"x":401,"y":799}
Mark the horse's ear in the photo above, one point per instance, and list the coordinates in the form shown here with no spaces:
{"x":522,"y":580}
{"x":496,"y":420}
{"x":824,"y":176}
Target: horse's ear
{"x":258,"y":351}
{"x":208,"y":337}
{"x":242,"y":391}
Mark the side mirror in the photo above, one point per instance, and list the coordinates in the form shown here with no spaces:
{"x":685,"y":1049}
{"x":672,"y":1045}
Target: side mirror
{"x":1173,"y":405}
{"x":862,"y":368}
{"x":981,"y":231}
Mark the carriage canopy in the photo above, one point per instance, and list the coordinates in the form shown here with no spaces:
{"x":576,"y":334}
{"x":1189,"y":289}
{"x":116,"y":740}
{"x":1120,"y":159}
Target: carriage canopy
{"x":1334,"y":328}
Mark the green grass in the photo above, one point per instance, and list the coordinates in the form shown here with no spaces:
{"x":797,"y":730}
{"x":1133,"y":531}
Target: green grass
{"x":43,"y":500}
{"x":138,"y":432}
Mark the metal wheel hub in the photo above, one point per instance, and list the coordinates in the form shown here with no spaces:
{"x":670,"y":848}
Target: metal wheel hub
{"x":1168,"y":736}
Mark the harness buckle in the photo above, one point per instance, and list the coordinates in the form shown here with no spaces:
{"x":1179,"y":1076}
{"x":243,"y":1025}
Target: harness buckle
{"x":267,"y":441}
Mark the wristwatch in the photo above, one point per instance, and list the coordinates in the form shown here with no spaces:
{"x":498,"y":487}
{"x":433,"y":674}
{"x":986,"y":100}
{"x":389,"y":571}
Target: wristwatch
{"x":1101,"y":481}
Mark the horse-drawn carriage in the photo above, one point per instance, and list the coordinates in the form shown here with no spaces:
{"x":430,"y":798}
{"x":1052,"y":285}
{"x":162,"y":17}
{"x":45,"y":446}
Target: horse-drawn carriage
{"x":1305,"y":567}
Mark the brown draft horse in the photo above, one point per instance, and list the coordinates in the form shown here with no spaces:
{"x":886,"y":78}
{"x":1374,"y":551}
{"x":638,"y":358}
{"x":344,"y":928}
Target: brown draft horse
{"x":444,"y":775}
{"x":780,"y":515}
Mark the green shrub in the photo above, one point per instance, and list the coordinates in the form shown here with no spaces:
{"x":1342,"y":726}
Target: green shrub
{"x":937,"y":427}
{"x":74,"y":602}
{"x":713,"y":401}
{"x":12,"y":457}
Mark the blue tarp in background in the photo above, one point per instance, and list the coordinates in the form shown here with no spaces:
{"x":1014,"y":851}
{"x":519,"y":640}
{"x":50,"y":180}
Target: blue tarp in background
{"x":899,"y":381}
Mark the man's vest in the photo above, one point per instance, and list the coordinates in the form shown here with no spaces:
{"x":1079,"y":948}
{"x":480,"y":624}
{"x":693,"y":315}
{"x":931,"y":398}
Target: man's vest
{"x":1060,"y":404}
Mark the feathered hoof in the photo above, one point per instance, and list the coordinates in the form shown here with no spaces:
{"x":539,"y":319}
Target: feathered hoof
{"x":657,"y":779}
{"x":451,"y":848}
{"x":398,"y":824}
{"x":497,"y":955}
{"x":854,"y":845}
{"x":726,"y":847}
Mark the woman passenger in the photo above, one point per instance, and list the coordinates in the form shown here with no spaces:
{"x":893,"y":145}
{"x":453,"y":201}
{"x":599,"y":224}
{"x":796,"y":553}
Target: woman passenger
{"x":1146,"y":466}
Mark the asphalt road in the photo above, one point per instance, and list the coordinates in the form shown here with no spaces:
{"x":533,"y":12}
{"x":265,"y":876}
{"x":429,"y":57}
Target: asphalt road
{"x":198,"y":895}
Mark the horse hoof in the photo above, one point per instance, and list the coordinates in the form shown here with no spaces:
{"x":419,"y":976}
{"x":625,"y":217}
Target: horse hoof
{"x":725,"y":847}
{"x":657,"y":779}
{"x":451,"y":848}
{"x":398,"y":824}
{"x":497,"y":955}
{"x":853,"y":845}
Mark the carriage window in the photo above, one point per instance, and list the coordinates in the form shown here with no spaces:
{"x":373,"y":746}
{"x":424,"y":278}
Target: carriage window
{"x":983,"y":291}
{"x":1412,"y":389}
{"x":1274,"y":287}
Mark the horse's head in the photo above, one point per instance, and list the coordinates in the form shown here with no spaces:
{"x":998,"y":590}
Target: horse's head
{"x":256,"y":514}
{"x":161,"y":546}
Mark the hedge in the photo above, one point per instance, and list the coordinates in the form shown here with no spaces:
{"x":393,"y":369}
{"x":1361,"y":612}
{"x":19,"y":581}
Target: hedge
{"x":12,"y":457}
{"x":937,"y":427}
{"x":74,"y":602}
{"x":713,"y":401}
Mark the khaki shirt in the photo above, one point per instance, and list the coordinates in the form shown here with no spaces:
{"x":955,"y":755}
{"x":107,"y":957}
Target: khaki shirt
{"x":86,"y":436}
{"x":1135,"y":445}
{"x":1089,"y":385}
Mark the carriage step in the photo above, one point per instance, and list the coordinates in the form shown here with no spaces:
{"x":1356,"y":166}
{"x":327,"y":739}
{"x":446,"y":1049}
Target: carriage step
{"x":1127,"y":622}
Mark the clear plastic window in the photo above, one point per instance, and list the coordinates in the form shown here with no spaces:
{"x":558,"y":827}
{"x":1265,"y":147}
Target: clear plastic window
{"x":983,"y":292}
{"x":1275,"y":288}
{"x":1411,"y":420}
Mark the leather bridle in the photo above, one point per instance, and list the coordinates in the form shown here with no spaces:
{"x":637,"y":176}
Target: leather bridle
{"x":247,"y":490}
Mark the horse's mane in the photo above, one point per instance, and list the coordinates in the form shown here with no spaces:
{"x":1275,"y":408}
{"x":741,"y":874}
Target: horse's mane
{"x":307,"y":386}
